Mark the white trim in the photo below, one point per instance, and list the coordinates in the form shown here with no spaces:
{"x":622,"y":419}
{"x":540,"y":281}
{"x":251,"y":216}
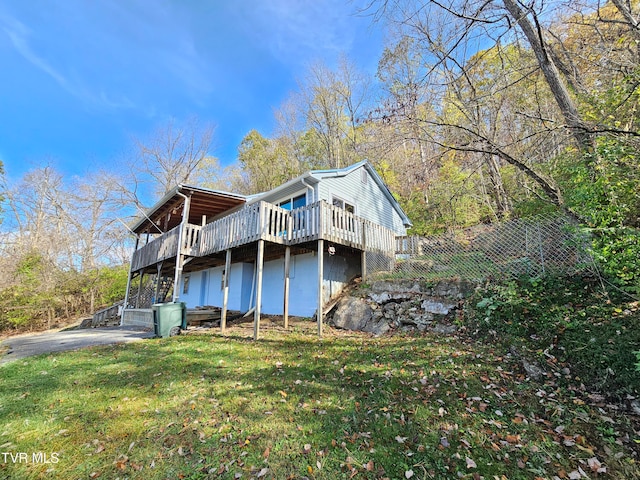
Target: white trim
{"x":345,"y":202}
{"x":303,"y":191}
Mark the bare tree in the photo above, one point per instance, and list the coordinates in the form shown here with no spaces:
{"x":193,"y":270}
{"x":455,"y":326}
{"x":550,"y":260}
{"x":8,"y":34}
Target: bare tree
{"x":333,"y":102}
{"x":172,"y":155}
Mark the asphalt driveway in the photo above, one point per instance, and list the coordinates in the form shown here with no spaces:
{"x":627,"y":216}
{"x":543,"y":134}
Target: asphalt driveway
{"x":22,"y":346}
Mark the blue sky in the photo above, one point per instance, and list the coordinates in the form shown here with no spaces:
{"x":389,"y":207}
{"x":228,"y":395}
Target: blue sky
{"x":80,"y":78}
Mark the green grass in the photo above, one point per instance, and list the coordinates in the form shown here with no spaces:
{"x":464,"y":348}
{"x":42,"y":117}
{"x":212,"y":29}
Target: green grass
{"x":293,"y":406}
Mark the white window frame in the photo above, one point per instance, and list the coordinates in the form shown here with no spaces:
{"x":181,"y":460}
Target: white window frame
{"x":344,"y":202}
{"x":290,"y":198}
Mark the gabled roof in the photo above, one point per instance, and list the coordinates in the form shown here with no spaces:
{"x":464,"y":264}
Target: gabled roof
{"x":313,"y":177}
{"x":210,"y":202}
{"x":204,"y":201}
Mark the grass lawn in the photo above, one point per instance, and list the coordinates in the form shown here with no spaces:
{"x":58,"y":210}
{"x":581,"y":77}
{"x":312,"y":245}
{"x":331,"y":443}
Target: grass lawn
{"x":293,"y":406}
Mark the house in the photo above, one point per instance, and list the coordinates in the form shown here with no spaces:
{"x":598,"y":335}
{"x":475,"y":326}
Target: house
{"x":286,"y":252}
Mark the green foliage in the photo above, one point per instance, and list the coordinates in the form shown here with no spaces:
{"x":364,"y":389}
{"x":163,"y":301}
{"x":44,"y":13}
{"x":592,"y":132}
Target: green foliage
{"x":570,"y":319}
{"x":42,"y":294}
{"x":449,"y":203}
{"x":604,"y":189}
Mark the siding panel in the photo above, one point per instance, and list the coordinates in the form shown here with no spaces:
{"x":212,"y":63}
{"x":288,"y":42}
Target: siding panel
{"x":370,"y":202}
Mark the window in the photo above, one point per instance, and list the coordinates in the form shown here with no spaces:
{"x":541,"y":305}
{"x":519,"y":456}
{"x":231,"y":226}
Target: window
{"x":338,"y":202}
{"x":364,"y":176}
{"x":341,"y":221}
{"x":297,"y":202}
{"x":185,"y":284}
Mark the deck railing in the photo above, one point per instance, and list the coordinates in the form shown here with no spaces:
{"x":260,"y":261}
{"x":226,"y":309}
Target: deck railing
{"x":264,"y":221}
{"x":159,"y":249}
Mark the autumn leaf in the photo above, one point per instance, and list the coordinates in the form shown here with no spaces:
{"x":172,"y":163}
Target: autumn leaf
{"x":369,"y":466}
{"x":596,"y":466}
{"x":262,"y":472}
{"x":408,"y":474}
{"x":470,"y":463}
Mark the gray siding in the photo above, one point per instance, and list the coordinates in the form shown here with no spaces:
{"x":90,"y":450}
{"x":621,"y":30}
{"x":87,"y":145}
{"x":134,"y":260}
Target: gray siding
{"x":369,"y":200}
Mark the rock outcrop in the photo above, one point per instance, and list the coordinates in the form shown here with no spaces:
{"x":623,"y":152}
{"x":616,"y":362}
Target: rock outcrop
{"x":402,"y":305}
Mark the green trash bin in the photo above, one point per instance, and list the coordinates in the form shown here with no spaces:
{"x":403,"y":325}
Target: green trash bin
{"x":169,"y":318}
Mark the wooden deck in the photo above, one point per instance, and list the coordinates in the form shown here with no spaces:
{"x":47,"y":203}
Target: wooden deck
{"x":264,"y":221}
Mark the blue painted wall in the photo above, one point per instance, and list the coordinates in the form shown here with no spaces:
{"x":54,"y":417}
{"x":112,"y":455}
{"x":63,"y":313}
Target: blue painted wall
{"x":205,"y":287}
{"x":303,"y":286}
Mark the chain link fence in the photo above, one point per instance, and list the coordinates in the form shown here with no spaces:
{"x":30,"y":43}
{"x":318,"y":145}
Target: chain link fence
{"x":523,"y":247}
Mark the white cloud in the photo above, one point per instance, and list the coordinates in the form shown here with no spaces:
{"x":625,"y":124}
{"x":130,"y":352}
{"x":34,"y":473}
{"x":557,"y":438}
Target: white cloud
{"x":303,"y":29}
{"x":19,"y":35}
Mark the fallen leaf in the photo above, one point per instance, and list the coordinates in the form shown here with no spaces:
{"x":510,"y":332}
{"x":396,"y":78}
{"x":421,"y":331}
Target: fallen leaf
{"x":400,"y":439}
{"x":512,"y":438}
{"x":369,"y":466}
{"x":262,"y":472}
{"x":595,"y":465}
{"x":470,"y":463}
{"x":266,"y":452}
{"x":408,"y":474}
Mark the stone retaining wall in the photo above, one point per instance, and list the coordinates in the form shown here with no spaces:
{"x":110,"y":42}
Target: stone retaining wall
{"x":402,"y":305}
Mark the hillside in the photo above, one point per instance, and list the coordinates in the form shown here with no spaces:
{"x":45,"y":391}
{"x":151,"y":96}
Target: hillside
{"x":292,"y":406}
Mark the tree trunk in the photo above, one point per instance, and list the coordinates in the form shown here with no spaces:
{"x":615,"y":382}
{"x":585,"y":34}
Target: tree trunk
{"x":551,"y":74}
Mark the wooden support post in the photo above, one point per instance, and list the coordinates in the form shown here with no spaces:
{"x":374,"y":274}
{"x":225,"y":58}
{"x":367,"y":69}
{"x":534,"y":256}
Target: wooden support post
{"x":180,"y":256}
{"x":259,"y":267}
{"x":126,"y":295}
{"x":285,"y":309}
{"x":364,"y":251}
{"x":139,"y":289}
{"x":225,"y":294}
{"x":157,"y":289}
{"x":320,"y":282}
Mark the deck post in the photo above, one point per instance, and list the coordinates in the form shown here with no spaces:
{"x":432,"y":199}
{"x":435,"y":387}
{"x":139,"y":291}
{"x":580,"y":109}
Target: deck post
{"x":225,"y":294}
{"x":139,"y":289}
{"x":180,"y":255}
{"x":285,"y":309}
{"x":364,"y":251}
{"x":157,"y":289}
{"x":259,"y":268}
{"x":320,"y":289}
{"x":126,"y":294}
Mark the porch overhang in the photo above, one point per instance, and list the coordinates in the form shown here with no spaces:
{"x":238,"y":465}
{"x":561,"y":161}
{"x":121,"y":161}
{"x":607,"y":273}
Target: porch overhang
{"x":167,"y":213}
